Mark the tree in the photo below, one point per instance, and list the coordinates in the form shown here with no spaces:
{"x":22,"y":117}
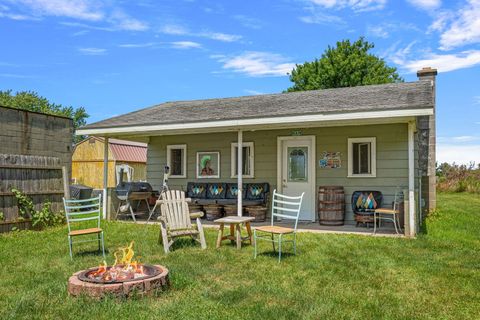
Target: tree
{"x":346,"y":65}
{"x":31,"y":101}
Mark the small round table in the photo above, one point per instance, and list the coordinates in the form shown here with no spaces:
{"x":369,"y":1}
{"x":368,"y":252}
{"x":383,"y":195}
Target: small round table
{"x":235,"y":224}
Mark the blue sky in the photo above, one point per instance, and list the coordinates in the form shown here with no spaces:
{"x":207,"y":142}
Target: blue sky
{"x":114,"y":56}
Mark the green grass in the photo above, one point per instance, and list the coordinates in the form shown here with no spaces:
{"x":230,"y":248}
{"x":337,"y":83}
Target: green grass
{"x":436,"y":276}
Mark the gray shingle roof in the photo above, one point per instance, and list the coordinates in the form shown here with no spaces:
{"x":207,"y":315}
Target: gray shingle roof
{"x":395,"y":96}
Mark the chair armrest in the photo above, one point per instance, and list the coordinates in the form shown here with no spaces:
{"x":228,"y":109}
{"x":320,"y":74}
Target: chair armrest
{"x":161,"y":218}
{"x":194,"y":215}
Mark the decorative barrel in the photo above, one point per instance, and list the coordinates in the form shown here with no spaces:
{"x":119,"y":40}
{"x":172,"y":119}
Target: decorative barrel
{"x":331,"y":205}
{"x":230,"y":209}
{"x":213,"y":211}
{"x":258,"y":212}
{"x":193,"y":207}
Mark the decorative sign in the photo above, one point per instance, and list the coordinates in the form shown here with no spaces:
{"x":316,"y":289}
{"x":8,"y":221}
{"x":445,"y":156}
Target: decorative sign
{"x":208,"y":164}
{"x":296,"y":132}
{"x":330,"y":160}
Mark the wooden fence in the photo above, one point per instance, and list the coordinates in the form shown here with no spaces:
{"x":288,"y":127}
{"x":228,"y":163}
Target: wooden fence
{"x":40,"y":178}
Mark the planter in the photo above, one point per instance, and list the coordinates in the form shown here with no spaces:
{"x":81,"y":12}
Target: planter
{"x":230,"y":210}
{"x":193,"y":207}
{"x":213,"y":211}
{"x":258,"y":212}
{"x":331,"y":205}
{"x":7,"y":226}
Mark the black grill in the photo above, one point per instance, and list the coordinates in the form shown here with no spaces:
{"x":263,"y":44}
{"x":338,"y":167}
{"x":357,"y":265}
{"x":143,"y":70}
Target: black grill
{"x":125,"y":190}
{"x":80,"y":192}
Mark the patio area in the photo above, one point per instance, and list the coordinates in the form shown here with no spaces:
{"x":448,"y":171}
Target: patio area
{"x":332,"y":276}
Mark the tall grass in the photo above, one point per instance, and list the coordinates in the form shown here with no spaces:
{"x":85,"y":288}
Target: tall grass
{"x":458,"y":178}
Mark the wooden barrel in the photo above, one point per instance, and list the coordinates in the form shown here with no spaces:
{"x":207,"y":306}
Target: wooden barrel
{"x":331,"y":205}
{"x":213,"y":211}
{"x":193,"y":207}
{"x":258,"y":212}
{"x":230,"y":209}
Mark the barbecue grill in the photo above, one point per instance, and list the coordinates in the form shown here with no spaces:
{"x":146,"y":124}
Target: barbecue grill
{"x":127,"y":192}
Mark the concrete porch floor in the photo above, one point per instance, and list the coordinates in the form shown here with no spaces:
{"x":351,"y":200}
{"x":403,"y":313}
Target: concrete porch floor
{"x":303,"y":226}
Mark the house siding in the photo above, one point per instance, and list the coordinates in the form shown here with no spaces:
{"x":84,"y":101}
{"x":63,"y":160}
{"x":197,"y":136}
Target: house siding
{"x":392,"y":157}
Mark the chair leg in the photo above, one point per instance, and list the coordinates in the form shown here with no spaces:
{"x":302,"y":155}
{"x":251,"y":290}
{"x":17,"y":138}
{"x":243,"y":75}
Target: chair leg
{"x":203,"y":243}
{"x":220,"y":235}
{"x":103,"y":244}
{"x":374,"y":223}
{"x":255,"y":243}
{"x":98,"y":240}
{"x":163,"y":232}
{"x":398,"y":220}
{"x":70,"y":247}
{"x":279,"y":248}
{"x":295,"y":243}
{"x":273,"y":242}
{"x":133,"y":215}
{"x":394,"y":220}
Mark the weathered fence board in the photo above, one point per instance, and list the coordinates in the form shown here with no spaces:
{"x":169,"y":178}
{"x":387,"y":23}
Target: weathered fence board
{"x":39,"y":177}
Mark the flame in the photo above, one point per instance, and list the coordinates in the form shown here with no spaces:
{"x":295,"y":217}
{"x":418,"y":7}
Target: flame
{"x":123,"y":268}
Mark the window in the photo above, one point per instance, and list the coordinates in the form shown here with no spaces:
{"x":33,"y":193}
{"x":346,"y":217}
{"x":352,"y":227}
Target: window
{"x":297,"y":164}
{"x":247,"y":162}
{"x":362,"y":157}
{"x":177,"y":160}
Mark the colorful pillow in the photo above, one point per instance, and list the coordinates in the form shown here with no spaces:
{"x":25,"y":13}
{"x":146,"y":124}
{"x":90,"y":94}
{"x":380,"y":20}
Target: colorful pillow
{"x":256,"y":191}
{"x":360,"y":201}
{"x":196,"y":190}
{"x":370,"y":202}
{"x":216,"y":191}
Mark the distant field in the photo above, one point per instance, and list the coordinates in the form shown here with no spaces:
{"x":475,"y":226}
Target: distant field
{"x":436,"y":276}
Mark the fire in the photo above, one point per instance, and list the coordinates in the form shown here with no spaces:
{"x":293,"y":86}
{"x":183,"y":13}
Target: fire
{"x":124,"y":268}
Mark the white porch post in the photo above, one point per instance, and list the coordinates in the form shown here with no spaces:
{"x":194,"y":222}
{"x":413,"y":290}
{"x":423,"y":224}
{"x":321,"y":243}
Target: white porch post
{"x":105,"y":177}
{"x":411,"y":180}
{"x":240,"y":172}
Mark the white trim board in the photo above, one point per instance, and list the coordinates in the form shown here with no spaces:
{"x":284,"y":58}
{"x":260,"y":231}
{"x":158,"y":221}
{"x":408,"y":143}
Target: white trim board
{"x":352,"y":118}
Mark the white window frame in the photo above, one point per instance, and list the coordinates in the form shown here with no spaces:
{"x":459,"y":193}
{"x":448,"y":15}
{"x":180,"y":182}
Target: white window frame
{"x":184,"y":148}
{"x":372,"y":158}
{"x":251,"y":159}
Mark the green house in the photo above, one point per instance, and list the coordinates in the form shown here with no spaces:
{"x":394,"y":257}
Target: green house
{"x":377,"y":137}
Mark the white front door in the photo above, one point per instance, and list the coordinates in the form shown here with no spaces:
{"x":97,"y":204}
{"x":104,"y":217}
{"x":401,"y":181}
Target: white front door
{"x":297,"y":171}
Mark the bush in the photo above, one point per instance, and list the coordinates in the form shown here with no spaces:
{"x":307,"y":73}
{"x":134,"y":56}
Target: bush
{"x":458,"y":178}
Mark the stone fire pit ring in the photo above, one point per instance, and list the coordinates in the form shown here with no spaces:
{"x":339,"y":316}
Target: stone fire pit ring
{"x":142,"y":286}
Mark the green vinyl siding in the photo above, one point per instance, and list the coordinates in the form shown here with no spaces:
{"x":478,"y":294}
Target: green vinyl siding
{"x":391,"y":145}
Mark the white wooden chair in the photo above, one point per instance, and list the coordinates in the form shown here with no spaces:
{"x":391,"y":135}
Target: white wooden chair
{"x":390,"y":214}
{"x":175,"y":219}
{"x":82,"y":211}
{"x":284,"y":207}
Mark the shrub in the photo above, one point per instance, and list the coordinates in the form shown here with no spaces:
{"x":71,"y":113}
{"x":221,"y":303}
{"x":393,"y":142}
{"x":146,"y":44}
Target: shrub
{"x":458,"y":178}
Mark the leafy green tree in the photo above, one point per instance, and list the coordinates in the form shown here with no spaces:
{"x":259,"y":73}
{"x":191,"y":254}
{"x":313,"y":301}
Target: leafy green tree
{"x":349,"y":64}
{"x":32,"y":101}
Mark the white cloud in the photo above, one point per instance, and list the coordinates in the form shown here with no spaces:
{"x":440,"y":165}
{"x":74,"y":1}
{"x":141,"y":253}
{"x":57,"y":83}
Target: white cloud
{"x":378,"y":31}
{"x":136,"y":45}
{"x":426,"y":4}
{"x":464,"y":28}
{"x":476,"y":100}
{"x":85,"y":10}
{"x":185,"y":45}
{"x":78,"y":9}
{"x":442,"y":62}
{"x":123,"y":21}
{"x":92,"y":51}
{"x":356,"y":5}
{"x":16,"y":76}
{"x":248,"y":22}
{"x":253,"y":92}
{"x":175,"y":29}
{"x":258,"y":64}
{"x":460,"y":154}
{"x":318,"y":17}
{"x":466,"y":138}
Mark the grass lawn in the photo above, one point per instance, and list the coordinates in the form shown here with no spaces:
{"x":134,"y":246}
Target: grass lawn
{"x":436,"y":276}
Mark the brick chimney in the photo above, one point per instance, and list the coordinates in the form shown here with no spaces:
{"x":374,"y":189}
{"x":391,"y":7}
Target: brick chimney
{"x":427,"y":146}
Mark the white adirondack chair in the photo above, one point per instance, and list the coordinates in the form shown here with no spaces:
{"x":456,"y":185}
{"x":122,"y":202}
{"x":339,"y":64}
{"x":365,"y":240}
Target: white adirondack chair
{"x":175,"y":219}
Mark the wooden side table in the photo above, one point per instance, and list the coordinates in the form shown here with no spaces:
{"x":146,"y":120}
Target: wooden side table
{"x":235,"y":225}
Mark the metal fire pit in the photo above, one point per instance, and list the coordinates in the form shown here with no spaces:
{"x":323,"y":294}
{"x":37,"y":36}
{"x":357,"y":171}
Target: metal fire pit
{"x":149,"y":270}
